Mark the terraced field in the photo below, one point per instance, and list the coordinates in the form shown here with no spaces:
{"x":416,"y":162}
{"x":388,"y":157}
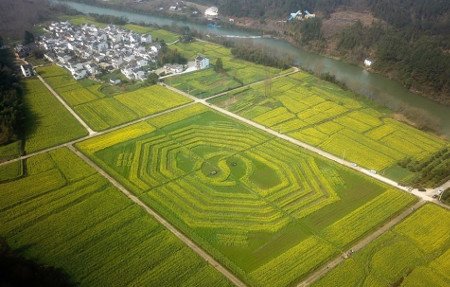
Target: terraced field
{"x":66,"y":215}
{"x":323,"y":115}
{"x":50,"y":124}
{"x":252,"y":201}
{"x":415,"y":253}
{"x":207,"y":82}
{"x":101,"y":112}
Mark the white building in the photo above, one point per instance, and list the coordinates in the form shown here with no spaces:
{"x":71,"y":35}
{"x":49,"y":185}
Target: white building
{"x":80,"y":75}
{"x":27,"y":70}
{"x":146,"y":39}
{"x":201,"y":62}
{"x":212,"y":12}
{"x":368,"y":62}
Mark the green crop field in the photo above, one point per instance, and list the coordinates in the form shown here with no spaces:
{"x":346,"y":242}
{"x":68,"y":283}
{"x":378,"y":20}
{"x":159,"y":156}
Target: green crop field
{"x":100,"y":111}
{"x":207,"y":82}
{"x":64,"y":214}
{"x":324,"y":115}
{"x":415,"y":253}
{"x":252,"y":201}
{"x":51,"y":123}
{"x":10,"y":150}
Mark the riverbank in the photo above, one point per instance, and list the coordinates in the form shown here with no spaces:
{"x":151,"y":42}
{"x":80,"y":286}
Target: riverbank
{"x":370,"y":85}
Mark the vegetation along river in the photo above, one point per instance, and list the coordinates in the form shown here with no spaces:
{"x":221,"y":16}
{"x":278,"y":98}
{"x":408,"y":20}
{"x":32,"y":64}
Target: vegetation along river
{"x":371,"y":85}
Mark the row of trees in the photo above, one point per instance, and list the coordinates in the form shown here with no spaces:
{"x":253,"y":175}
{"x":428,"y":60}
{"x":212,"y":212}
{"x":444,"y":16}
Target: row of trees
{"x":260,"y":55}
{"x":12,"y":108}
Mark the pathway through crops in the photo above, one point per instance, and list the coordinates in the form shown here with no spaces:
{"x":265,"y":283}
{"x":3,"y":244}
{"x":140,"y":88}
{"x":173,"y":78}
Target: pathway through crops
{"x":319,"y":273}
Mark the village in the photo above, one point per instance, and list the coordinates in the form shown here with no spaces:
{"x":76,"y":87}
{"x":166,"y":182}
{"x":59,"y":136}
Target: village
{"x":90,"y":51}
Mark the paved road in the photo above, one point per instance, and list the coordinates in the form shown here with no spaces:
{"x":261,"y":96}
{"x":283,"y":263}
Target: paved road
{"x":319,"y":273}
{"x":421,"y":195}
{"x":208,"y":258}
{"x":79,"y":119}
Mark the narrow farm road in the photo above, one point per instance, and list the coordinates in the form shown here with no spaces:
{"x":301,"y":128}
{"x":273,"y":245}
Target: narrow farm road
{"x":79,"y":119}
{"x":319,"y":273}
{"x":419,"y":194}
{"x":209,"y":259}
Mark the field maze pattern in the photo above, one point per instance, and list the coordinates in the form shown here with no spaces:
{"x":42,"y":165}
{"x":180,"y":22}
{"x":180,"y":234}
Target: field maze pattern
{"x":207,"y":193}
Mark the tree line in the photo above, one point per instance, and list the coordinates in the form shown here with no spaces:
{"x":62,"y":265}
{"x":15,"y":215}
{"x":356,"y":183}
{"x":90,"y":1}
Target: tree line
{"x":410,"y":44}
{"x":260,"y":55}
{"x":12,"y":107}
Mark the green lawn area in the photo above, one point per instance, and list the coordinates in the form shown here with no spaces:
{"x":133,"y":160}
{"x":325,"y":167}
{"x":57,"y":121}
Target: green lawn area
{"x":322,"y":114}
{"x":414,"y":253}
{"x":253,"y":202}
{"x":64,"y":214}
{"x":51,"y":123}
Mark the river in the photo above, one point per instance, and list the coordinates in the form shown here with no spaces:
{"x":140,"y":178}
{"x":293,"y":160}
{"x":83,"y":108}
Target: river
{"x":368,"y":84}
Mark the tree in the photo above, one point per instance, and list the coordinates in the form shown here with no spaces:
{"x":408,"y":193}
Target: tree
{"x":218,"y":67}
{"x":1,"y":41}
{"x":152,"y":79}
{"x":28,"y":38}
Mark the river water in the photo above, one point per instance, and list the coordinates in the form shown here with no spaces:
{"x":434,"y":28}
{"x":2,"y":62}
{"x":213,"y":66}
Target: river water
{"x":368,"y":84}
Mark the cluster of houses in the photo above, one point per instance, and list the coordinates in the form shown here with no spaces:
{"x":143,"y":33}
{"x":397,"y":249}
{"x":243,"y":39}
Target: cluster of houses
{"x":88,"y":50}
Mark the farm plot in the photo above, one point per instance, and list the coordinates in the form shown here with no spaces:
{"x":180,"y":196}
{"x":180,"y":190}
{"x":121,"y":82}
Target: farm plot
{"x":414,"y":253}
{"x":111,"y":241}
{"x":151,"y":100}
{"x":239,"y":193}
{"x":207,"y":83}
{"x":52,"y":123}
{"x":321,"y":114}
{"x":102,"y":112}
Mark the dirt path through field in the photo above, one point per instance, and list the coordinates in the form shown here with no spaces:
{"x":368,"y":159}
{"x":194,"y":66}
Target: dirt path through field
{"x":74,"y":114}
{"x":208,"y":258}
{"x":319,"y":273}
{"x":417,"y":193}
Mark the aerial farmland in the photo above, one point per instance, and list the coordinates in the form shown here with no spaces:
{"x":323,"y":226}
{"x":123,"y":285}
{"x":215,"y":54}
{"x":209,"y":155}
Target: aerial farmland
{"x":247,"y":176}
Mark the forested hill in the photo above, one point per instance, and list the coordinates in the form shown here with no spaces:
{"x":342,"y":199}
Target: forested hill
{"x":408,"y":40}
{"x":432,"y":15}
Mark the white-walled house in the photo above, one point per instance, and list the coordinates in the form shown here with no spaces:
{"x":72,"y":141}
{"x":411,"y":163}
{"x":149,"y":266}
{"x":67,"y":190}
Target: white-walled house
{"x":201,"y":62}
{"x":27,"y":70}
{"x":146,"y":39}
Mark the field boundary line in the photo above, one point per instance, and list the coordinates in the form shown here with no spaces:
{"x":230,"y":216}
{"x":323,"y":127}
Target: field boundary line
{"x":296,"y":70}
{"x":313,"y":149}
{"x":74,"y":114}
{"x":197,"y":249}
{"x":98,"y":133}
{"x":330,"y":265}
